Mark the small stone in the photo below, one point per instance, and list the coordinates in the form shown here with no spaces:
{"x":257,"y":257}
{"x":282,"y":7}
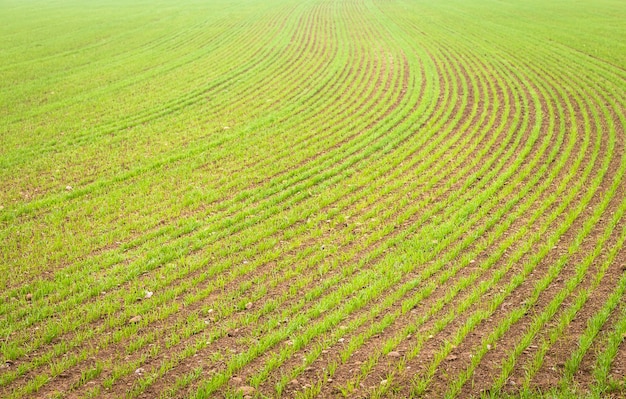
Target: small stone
{"x":394,"y":354}
{"x":383,"y":382}
{"x":210,"y":311}
{"x":246,"y":390}
{"x":488,"y":347}
{"x":68,"y":188}
{"x":140,"y":370}
{"x":341,"y":340}
{"x":134,"y":320}
{"x":249,"y":305}
{"x":29,"y":297}
{"x":330,"y":380}
{"x":149,"y":294}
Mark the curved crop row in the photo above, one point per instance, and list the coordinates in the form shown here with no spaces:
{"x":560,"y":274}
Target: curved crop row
{"x":312,"y":198}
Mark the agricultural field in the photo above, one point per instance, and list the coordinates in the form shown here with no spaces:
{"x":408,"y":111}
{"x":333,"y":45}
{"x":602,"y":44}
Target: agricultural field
{"x":312,"y":198}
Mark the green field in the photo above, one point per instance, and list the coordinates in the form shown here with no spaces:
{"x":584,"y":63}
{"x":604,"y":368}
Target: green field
{"x":312,"y":198}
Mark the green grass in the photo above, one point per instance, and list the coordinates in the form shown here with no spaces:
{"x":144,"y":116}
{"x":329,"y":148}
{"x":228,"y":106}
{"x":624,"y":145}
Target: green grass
{"x":307,"y":186}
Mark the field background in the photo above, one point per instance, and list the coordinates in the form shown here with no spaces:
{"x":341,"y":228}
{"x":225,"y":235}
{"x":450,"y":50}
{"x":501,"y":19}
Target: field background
{"x":312,"y":198}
